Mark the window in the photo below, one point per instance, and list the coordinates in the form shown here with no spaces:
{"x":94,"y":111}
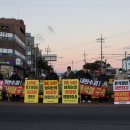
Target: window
{"x":29,"y":53}
{"x":4,"y":50}
{"x":0,"y":50}
{"x":28,"y":43}
{"x":29,"y":62}
{"x":10,"y":51}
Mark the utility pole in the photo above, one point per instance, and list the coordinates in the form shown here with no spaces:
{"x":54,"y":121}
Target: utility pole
{"x":47,"y":50}
{"x":72,"y":65}
{"x":84,"y":58}
{"x":36,"y":59}
{"x":101,"y":40}
{"x":126,"y":60}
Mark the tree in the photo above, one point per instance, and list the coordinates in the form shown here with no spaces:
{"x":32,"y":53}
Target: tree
{"x":42,"y":64}
{"x":97,"y":65}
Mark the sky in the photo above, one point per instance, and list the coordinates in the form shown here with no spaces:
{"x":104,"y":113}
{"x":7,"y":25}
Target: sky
{"x":71,"y":28}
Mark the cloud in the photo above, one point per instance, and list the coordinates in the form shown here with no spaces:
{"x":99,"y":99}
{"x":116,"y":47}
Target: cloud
{"x":50,"y":29}
{"x":39,"y":37}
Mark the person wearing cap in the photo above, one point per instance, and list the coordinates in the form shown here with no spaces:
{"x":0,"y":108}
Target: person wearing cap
{"x":52,"y":75}
{"x":68,"y":74}
{"x":121,"y":75}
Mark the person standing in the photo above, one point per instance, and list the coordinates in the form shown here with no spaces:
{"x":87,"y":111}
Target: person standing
{"x":1,"y":76}
{"x":52,"y":75}
{"x":14,"y":76}
{"x":120,"y":75}
{"x":68,"y":74}
{"x":85,"y":74}
{"x":104,"y":79}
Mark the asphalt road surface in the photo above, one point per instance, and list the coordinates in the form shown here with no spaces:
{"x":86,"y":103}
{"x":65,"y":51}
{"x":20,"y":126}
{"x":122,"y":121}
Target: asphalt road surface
{"x":19,"y":116}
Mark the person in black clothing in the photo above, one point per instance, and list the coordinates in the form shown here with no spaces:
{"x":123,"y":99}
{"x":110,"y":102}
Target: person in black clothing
{"x":1,"y":76}
{"x":52,"y":75}
{"x":104,"y":79}
{"x":68,"y":74}
{"x":85,"y":74}
{"x":14,"y":76}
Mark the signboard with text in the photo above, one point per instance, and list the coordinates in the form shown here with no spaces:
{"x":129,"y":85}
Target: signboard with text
{"x":31,"y":91}
{"x":13,"y":86}
{"x":70,"y":91}
{"x":92,"y":87}
{"x":50,"y":91}
{"x":1,"y":88}
{"x":121,"y":90}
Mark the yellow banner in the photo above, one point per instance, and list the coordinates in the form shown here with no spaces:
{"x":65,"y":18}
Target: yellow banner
{"x":31,"y":91}
{"x":50,"y":91}
{"x":70,"y":91}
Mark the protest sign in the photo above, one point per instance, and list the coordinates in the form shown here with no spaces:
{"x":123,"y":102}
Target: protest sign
{"x":50,"y":90}
{"x":13,"y":86}
{"x":121,"y":90}
{"x":31,"y":91}
{"x":70,"y":91}
{"x":92,"y":87}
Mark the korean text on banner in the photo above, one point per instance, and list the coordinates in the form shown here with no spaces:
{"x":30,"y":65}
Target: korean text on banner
{"x":31,"y":91}
{"x":13,"y":86}
{"x":121,"y":90}
{"x":50,"y":90}
{"x":94,"y":88}
{"x":70,"y":91}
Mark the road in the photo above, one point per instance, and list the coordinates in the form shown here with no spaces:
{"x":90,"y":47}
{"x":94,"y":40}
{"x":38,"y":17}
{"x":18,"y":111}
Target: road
{"x":19,"y":116}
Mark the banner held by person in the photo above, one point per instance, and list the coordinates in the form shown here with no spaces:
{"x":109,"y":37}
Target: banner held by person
{"x":1,"y":88}
{"x":121,"y":90}
{"x":13,"y":86}
{"x":31,"y":91}
{"x":92,"y":87}
{"x":70,"y":91}
{"x":50,"y":90}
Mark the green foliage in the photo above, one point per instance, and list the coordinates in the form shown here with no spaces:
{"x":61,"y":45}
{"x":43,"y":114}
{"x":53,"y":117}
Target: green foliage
{"x":43,"y":64}
{"x":97,"y":65}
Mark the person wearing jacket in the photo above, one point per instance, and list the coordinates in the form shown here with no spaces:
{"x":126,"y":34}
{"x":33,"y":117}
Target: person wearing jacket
{"x":120,"y":75}
{"x":104,"y":79}
{"x":1,"y":76}
{"x":52,"y":75}
{"x":68,"y":74}
{"x":85,"y":74}
{"x":14,"y":76}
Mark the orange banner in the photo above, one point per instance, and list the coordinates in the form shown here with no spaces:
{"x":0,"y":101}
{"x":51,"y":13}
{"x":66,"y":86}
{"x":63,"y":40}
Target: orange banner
{"x":121,"y":96}
{"x":96,"y":91}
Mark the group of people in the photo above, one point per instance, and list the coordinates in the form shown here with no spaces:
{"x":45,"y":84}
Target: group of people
{"x":84,"y":73}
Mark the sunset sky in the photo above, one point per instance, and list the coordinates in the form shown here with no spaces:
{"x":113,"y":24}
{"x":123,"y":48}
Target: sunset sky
{"x":71,"y":27}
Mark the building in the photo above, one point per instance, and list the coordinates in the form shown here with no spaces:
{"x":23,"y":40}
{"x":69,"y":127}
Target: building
{"x":126,"y":63}
{"x":12,"y":46}
{"x":29,"y":42}
{"x":33,"y":55}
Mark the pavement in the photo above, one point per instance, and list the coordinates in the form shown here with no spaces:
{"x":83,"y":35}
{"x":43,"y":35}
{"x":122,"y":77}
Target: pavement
{"x":93,"y":116}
